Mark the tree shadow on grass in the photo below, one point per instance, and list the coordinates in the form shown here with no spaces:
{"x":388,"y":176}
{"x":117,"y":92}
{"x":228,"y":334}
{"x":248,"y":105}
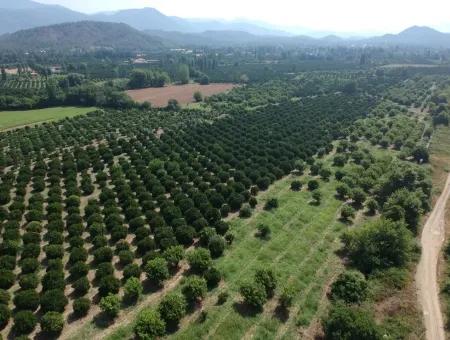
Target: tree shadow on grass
{"x":245,"y":310}
{"x":172,"y":327}
{"x":102,"y":320}
{"x":150,"y":287}
{"x":281,"y":313}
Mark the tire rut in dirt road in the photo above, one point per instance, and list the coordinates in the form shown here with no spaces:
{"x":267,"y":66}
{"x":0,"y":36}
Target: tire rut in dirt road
{"x":432,"y":239}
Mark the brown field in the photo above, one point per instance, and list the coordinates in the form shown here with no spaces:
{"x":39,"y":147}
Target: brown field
{"x":183,"y":93}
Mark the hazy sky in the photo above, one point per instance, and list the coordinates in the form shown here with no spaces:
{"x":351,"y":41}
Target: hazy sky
{"x":336,"y":15}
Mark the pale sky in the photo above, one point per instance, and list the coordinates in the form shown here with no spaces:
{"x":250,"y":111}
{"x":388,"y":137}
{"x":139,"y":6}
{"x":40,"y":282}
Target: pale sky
{"x":327,"y":15}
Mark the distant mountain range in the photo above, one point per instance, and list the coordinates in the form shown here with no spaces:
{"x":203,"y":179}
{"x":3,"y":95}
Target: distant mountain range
{"x":81,"y":35}
{"x":23,"y":14}
{"x":161,"y":30}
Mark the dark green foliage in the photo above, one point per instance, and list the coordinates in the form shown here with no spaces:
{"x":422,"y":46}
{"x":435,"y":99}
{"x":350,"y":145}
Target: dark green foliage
{"x":53,"y":301}
{"x":149,"y":325}
{"x":52,"y":323}
{"x":24,"y":322}
{"x":216,"y":246}
{"x":267,"y":279}
{"x":81,"y":307}
{"x":172,"y":308}
{"x":108,"y":285}
{"x":350,"y":323}
{"x":212,"y":277}
{"x":110,"y":305}
{"x":194,"y":288}
{"x":157,"y":270}
{"x":5,"y":315}
{"x":272,"y":203}
{"x":254,"y":294}
{"x":174,"y":255}
{"x":378,"y":245}
{"x":26,"y":300}
{"x":133,"y":289}
{"x":296,"y":185}
{"x":313,"y":185}
{"x":81,"y":286}
{"x":200,"y":260}
{"x":350,"y":287}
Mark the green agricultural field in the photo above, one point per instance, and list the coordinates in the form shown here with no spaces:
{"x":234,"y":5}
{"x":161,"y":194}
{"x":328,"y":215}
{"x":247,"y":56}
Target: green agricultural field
{"x":13,"y":119}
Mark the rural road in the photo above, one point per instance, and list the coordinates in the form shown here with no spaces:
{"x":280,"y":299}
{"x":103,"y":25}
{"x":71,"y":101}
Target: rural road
{"x":432,"y":239}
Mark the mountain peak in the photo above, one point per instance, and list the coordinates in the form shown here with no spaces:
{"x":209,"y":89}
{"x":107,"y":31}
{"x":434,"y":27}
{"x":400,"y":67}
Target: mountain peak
{"x":413,"y":30}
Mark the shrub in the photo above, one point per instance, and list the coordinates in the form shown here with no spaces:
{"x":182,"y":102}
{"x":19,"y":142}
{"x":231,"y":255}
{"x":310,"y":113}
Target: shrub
{"x":267,"y":279}
{"x":347,"y":212}
{"x":24,"y":322}
{"x":53,"y":280}
{"x":149,"y":325}
{"x":133,"y":289}
{"x":287,"y":296}
{"x":81,"y":286}
{"x":108,"y":285}
{"x":379,"y":244}
{"x":345,"y":322}
{"x":212,"y":277}
{"x":264,"y":231}
{"x":317,"y":196}
{"x":110,"y":305}
{"x":271,"y":204}
{"x":81,"y":307}
{"x":29,"y":265}
{"x":157,"y":270}
{"x":205,"y":236}
{"x":172,"y":308}
{"x":5,"y":297}
{"x":194,"y":288}
{"x":78,"y":270}
{"x":313,"y":185}
{"x":131,"y":270}
{"x":350,"y":286}
{"x":52,"y":323}
{"x":104,"y":269}
{"x":253,"y":202}
{"x":126,"y":257}
{"x":26,"y":300}
{"x":103,"y":254}
{"x":31,"y":251}
{"x":53,"y":301}
{"x":254,"y":294}
{"x":173,"y":255}
{"x":5,"y":315}
{"x":28,"y":281}
{"x":372,"y":206}
{"x":296,"y":186}
{"x":200,"y":260}
{"x":216,"y":246}
{"x":77,"y":255}
{"x":246,"y":211}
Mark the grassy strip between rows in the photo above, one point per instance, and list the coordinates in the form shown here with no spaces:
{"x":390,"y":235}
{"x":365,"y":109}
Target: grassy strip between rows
{"x":13,"y":119}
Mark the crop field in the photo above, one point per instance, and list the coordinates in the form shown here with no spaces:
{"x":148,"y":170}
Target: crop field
{"x":115,"y":216}
{"x":112,"y":196}
{"x":14,"y":119}
{"x":23,"y":84}
{"x":159,"y":97}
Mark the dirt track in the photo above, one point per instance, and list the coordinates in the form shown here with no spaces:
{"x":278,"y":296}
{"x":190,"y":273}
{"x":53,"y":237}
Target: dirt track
{"x":432,"y":239}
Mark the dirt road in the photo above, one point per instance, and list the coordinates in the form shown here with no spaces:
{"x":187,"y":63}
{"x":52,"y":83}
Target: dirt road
{"x":432,"y":239}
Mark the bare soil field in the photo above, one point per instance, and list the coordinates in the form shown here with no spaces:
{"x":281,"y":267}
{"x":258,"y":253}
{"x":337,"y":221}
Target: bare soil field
{"x":183,"y":93}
